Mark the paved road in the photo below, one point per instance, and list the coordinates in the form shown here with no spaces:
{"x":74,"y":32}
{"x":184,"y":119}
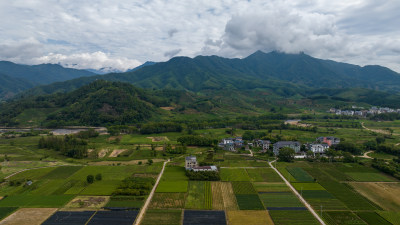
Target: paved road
{"x":146,"y":204}
{"x":298,"y":195}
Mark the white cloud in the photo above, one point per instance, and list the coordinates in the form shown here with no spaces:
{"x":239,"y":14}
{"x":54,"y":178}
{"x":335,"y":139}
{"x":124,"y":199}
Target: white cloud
{"x":96,"y":60}
{"x":359,"y":31}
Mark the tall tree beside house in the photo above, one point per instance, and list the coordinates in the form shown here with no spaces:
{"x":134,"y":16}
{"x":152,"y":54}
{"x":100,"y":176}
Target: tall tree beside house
{"x":286,"y":154}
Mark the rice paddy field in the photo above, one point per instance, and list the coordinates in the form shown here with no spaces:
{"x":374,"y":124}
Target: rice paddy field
{"x":249,"y":192}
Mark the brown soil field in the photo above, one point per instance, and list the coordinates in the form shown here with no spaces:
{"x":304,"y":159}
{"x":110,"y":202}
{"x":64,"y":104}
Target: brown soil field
{"x":168,"y":200}
{"x":228,"y":196}
{"x":31,"y":216}
{"x":169,"y":108}
{"x":158,"y":139}
{"x":249,"y":217}
{"x":386,"y":195}
{"x":217,"y":199}
{"x":116,"y":152}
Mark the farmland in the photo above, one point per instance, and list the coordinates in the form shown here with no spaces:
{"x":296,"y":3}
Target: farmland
{"x":249,"y":192}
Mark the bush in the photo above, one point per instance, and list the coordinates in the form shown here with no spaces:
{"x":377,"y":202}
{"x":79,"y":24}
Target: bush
{"x":90,"y":179}
{"x":99,"y":176}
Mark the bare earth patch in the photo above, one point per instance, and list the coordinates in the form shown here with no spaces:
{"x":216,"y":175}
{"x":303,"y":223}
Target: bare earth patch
{"x":31,"y":216}
{"x":386,"y":195}
{"x":169,"y":108}
{"x":113,"y":138}
{"x":88,"y":202}
{"x":249,"y":217}
{"x":116,"y":152}
{"x":158,"y":139}
{"x":103,"y":153}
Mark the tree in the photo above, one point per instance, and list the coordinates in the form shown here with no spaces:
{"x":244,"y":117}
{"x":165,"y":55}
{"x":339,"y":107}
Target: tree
{"x":286,"y":154}
{"x":150,"y":161}
{"x":98,"y":176}
{"x":90,"y":179}
{"x":380,"y":140}
{"x":348,"y":157}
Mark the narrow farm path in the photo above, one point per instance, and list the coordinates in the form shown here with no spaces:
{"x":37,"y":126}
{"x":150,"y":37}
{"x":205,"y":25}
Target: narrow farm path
{"x":366,"y":155}
{"x":298,"y":195}
{"x":375,"y":130}
{"x":146,"y":204}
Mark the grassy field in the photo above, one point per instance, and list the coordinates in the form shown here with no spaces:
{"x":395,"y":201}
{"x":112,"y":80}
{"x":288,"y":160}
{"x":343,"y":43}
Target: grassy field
{"x":270,"y":187}
{"x":62,"y":172}
{"x":392,"y":217}
{"x":30,"y":201}
{"x":174,"y":173}
{"x":237,"y":174}
{"x":196,"y":195}
{"x":389,"y":199}
{"x":172,"y":186}
{"x":292,"y":217}
{"x":5,"y":211}
{"x":299,"y":174}
{"x":208,"y":195}
{"x":341,"y":191}
{"x":373,"y":218}
{"x":249,"y":202}
{"x":370,"y":177}
{"x":162,"y":217}
{"x":249,"y":217}
{"x":168,"y":200}
{"x":283,"y":199}
{"x":126,"y":201}
{"x":243,"y":188}
{"x":263,"y":175}
{"x":341,"y":217}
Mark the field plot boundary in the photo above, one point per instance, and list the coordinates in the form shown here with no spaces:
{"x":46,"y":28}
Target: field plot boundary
{"x":298,"y":195}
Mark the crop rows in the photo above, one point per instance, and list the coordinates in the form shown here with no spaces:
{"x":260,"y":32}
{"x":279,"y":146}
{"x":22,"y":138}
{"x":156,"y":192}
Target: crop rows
{"x":207,"y":195}
{"x":243,"y":188}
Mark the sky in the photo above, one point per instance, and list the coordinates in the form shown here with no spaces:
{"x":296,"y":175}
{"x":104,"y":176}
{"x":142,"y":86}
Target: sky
{"x":123,"y":34}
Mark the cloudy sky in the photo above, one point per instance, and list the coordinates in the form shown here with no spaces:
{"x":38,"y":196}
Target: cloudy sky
{"x":122,"y":34}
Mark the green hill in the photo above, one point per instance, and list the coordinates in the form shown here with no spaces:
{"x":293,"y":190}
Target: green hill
{"x":10,"y":86}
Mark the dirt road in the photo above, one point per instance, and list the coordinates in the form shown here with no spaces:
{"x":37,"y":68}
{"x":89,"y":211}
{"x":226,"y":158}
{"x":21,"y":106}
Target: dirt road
{"x":298,"y":195}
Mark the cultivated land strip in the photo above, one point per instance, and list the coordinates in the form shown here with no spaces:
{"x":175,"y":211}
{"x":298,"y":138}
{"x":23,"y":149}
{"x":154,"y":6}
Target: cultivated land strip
{"x":35,"y":169}
{"x":298,"y":195}
{"x":147,"y":203}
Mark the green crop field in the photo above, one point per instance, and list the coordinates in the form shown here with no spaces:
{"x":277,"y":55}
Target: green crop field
{"x":126,"y":201}
{"x":370,"y":177}
{"x":174,"y":173}
{"x":341,"y":217}
{"x":172,"y":186}
{"x":103,"y":187}
{"x":243,"y":188}
{"x":307,"y":186}
{"x":50,"y":201}
{"x":62,"y":172}
{"x":5,"y":211}
{"x":263,"y":175}
{"x":344,"y":193}
{"x":299,"y":174}
{"x":33,"y":174}
{"x":208,"y":202}
{"x":292,"y":217}
{"x":168,"y":200}
{"x":249,"y":202}
{"x":283,"y":199}
{"x":392,"y":217}
{"x":270,"y":187}
{"x":195,"y":196}
{"x":162,"y":217}
{"x":238,"y":174}
{"x":318,"y":194}
{"x":373,"y":218}
{"x":326,"y":203}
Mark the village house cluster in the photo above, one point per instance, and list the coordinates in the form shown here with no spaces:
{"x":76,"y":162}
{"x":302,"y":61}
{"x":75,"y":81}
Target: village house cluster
{"x":191,"y":164}
{"x":361,"y":112}
{"x":320,"y":145}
